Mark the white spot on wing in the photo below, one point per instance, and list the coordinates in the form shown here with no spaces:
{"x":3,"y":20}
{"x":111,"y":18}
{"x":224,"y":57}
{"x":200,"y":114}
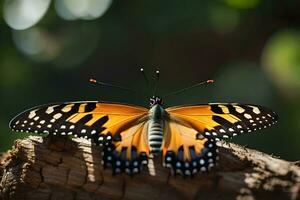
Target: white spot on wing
{"x":50,"y":110}
{"x":201,"y":161}
{"x":31,"y":114}
{"x":222,"y":130}
{"x":57,"y":116}
{"x":67,"y":108}
{"x":256,"y":110}
{"x":239,"y":109}
{"x":207,"y":133}
{"x":203,"y":169}
{"x":248,"y":116}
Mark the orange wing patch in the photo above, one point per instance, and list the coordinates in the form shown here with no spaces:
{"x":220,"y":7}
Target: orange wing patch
{"x":185,"y":152}
{"x":224,"y":120}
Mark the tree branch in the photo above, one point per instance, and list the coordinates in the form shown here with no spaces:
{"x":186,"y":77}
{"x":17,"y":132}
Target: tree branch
{"x":61,"y":168}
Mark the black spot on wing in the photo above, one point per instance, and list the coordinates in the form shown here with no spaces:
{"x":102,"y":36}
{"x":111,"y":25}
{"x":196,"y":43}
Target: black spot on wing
{"x":84,"y":119}
{"x":90,"y":107}
{"x":100,"y":122}
{"x":216,"y":109}
{"x":223,"y":122}
{"x":75,"y":108}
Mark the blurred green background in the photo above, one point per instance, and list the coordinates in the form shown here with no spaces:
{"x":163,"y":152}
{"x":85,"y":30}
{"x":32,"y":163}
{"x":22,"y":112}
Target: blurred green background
{"x":50,"y":49}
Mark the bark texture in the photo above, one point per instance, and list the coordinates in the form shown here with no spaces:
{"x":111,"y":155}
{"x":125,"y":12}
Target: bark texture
{"x":62,"y":168}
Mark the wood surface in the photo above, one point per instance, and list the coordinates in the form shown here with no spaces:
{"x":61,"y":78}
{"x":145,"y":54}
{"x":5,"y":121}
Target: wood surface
{"x":62,"y":168}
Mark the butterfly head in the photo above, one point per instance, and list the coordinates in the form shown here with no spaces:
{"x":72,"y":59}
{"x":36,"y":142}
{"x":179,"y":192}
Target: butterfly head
{"x":155,"y":100}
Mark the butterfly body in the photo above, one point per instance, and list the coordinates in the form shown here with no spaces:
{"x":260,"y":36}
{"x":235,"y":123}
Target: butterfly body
{"x":156,"y":126}
{"x":184,"y":135}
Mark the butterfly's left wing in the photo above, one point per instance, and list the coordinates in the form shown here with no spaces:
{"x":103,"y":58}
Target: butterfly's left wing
{"x":100,"y":122}
{"x":224,"y":120}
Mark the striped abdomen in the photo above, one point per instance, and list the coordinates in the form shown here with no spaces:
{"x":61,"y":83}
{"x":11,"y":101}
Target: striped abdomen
{"x":155,"y":134}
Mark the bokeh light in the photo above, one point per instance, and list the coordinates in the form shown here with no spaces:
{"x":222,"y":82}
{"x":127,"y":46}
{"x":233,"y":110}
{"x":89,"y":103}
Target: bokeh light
{"x":36,"y":43}
{"x":81,"y":9}
{"x":76,"y":45}
{"x":281,"y":59}
{"x":22,"y":14}
{"x":49,"y":46}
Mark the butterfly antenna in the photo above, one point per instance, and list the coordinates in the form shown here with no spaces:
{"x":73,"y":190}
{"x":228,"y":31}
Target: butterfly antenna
{"x":146,"y":78}
{"x":156,"y":83}
{"x":94,"y":81}
{"x":190,"y":87}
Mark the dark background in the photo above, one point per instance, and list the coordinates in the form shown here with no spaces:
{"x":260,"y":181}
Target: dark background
{"x":251,"y":48}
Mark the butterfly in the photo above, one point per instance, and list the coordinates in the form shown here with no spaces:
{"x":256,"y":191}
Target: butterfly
{"x":130,"y":135}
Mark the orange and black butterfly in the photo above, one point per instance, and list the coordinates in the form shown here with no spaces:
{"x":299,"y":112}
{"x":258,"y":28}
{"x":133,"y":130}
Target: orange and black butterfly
{"x":185,"y":135}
